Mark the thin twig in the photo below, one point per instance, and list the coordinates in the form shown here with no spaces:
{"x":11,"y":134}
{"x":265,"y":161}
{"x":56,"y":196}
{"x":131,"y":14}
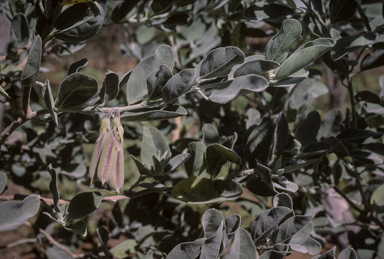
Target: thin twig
{"x":20,"y":242}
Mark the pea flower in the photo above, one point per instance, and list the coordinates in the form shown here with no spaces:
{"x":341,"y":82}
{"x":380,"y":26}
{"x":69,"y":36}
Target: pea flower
{"x":108,"y":156}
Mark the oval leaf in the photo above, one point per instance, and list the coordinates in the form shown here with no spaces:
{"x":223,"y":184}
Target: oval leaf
{"x":307,"y":131}
{"x":153,"y":145}
{"x":169,"y":112}
{"x":238,"y":86}
{"x":76,"y":90}
{"x":219,"y":62}
{"x":3,"y":181}
{"x":14,"y":214}
{"x":178,"y":85}
{"x":32,"y":67}
{"x":83,"y":204}
{"x":49,"y":102}
{"x":352,"y":43}
{"x":216,"y":156}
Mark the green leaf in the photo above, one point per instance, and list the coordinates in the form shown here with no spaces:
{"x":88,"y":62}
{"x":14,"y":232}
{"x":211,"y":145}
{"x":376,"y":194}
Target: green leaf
{"x":3,"y":181}
{"x":77,"y":66}
{"x":373,"y":60}
{"x":53,"y":187}
{"x":294,"y":230}
{"x":330,"y":126}
{"x":156,"y":82}
{"x":358,"y":136}
{"x":257,"y":142}
{"x":216,"y":156}
{"x":78,"y":22}
{"x":20,"y":27}
{"x":49,"y":102}
{"x":229,"y":189}
{"x":256,"y":67}
{"x":211,"y":222}
{"x":210,"y":135}
{"x":149,"y":254}
{"x":310,"y":246}
{"x":178,"y":85}
{"x":238,"y":86}
{"x":121,"y":9}
{"x":211,"y":247}
{"x":76,"y":90}
{"x":304,"y":56}
{"x":176,"y":161}
{"x":31,"y":69}
{"x":219,"y":62}
{"x":366,"y":157}
{"x":279,"y":45}
{"x":242,"y":246}
{"x":14,"y":214}
{"x":10,"y":70}
{"x":153,"y":145}
{"x":341,"y":10}
{"x":168,"y":112}
{"x":103,"y":235}
{"x":186,"y":250}
{"x":352,"y":43}
{"x":110,"y":87}
{"x":292,"y":80}
{"x":196,"y":164}
{"x":281,"y":133}
{"x":197,"y":190}
{"x":265,"y":223}
{"x":307,"y":131}
{"x":137,"y":83}
{"x":83,"y":204}
{"x":80,"y":227}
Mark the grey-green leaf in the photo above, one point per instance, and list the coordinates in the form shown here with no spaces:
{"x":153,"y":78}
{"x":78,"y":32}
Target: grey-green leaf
{"x":281,"y":133}
{"x":80,"y":228}
{"x":14,"y":214}
{"x":121,"y":9}
{"x":238,"y":86}
{"x":83,"y":204}
{"x":137,"y":83}
{"x":219,"y":62}
{"x":77,"y":66}
{"x":373,"y":60}
{"x":153,"y":145}
{"x":156,"y":81}
{"x":302,"y":57}
{"x":178,"y":85}
{"x":278,"y":46}
{"x":210,"y":135}
{"x":169,"y":112}
{"x":187,"y":250}
{"x":307,"y":131}
{"x":256,"y":67}
{"x":282,"y":200}
{"x":242,"y":246}
{"x":348,"y":253}
{"x":76,"y":90}
{"x":211,"y":222}
{"x":31,"y":69}
{"x":196,"y":164}
{"x":341,"y":10}
{"x":49,"y":102}
{"x":3,"y":181}
{"x":78,"y":22}
{"x":20,"y":27}
{"x":103,"y":235}
{"x":53,"y":187}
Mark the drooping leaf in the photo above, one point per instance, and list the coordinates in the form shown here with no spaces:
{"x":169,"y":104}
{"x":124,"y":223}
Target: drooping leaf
{"x":76,"y":90}
{"x":77,"y":66}
{"x":53,"y":187}
{"x":14,"y":214}
{"x":83,"y":204}
{"x":103,"y":235}
{"x":216,"y":156}
{"x":219,"y":62}
{"x":307,"y":131}
{"x":49,"y":102}
{"x":20,"y":27}
{"x":169,"y":112}
{"x":279,"y":45}
{"x":78,"y":22}
{"x":238,"y":86}
{"x":110,"y":87}
{"x":242,"y":246}
{"x":341,"y":10}
{"x":178,"y":85}
{"x":352,"y":43}
{"x":80,"y":227}
{"x":31,"y":69}
{"x":153,"y":145}
{"x":121,"y":9}
{"x":137,"y":83}
{"x":302,"y":57}
{"x":282,"y":200}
